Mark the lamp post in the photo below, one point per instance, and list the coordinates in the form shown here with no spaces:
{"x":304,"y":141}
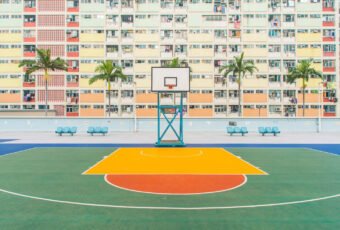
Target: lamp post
{"x":135,"y":107}
{"x":320,"y":106}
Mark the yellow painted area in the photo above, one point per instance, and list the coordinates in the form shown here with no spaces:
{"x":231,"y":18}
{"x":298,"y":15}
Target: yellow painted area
{"x":84,"y":83}
{"x":207,"y":161}
{"x":309,"y":37}
{"x":309,"y":52}
{"x":143,"y":67}
{"x":202,"y":83}
{"x":10,"y":68}
{"x":202,"y":68}
{"x":10,"y":83}
{"x":91,"y":52}
{"x":312,"y":83}
{"x":255,"y":82}
{"x":209,"y":37}
{"x":143,"y":83}
{"x":254,"y":37}
{"x":201,"y":52}
{"x":146,"y":52}
{"x":263,"y":67}
{"x":11,"y":38}
{"x":87,"y":68}
{"x":10,"y":53}
{"x":146,"y":37}
{"x":317,"y":66}
{"x":88,"y":37}
{"x":255,"y":52}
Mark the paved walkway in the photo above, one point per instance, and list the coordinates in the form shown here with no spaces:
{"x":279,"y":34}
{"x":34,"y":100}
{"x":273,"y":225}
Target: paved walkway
{"x":189,"y":138}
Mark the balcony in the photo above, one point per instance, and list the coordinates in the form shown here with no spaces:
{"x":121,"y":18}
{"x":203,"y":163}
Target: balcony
{"x":29,"y":84}
{"x":32,"y":9}
{"x":72,"y":39}
{"x":72,"y":114}
{"x":329,"y":53}
{"x":29,"y":39}
{"x":29,"y":53}
{"x":72,"y":84}
{"x":29,"y":24}
{"x":73,"y":54}
{"x":329,"y":23}
{"x":73,"y":69}
{"x":328,"y":69}
{"x":73,"y":24}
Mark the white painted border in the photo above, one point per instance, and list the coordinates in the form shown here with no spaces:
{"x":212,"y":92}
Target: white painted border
{"x":84,"y":173}
{"x":171,"y":208}
{"x":166,"y":208}
{"x":264,"y":173}
{"x":20,"y":151}
{"x":317,"y":150}
{"x":177,"y":194}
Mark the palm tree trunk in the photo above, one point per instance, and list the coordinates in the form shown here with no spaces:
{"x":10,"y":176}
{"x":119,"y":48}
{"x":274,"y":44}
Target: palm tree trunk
{"x":239,"y":95}
{"x":46,"y":96}
{"x":109,"y":89}
{"x":303,"y":97}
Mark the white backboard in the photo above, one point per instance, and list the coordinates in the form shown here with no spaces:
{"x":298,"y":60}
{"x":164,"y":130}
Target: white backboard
{"x":165,"y":79}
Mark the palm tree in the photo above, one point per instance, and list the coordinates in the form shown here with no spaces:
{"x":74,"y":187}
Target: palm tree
{"x":240,"y":68}
{"x":176,"y":63}
{"x":304,"y":71}
{"x":45,"y":63}
{"x":108,"y":72}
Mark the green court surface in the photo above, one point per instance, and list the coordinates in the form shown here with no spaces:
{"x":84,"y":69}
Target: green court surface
{"x":43,"y":188}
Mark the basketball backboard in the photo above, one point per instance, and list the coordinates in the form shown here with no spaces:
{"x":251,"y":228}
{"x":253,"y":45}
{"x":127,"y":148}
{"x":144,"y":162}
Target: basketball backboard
{"x":165,"y":79}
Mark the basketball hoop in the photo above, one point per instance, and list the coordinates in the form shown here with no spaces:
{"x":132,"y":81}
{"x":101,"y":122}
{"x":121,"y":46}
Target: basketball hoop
{"x":171,"y":86}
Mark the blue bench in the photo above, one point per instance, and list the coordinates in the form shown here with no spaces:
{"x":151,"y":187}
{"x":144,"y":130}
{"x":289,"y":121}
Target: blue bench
{"x":269,"y":130}
{"x":237,"y":130}
{"x":97,"y":130}
{"x":66,"y":130}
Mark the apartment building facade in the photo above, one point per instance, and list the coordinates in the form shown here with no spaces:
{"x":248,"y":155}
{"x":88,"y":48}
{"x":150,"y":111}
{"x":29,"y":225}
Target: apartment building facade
{"x":140,"y":34}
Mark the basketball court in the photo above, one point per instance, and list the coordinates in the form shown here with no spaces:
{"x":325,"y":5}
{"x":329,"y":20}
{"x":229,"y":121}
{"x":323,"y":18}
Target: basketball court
{"x":168,"y":183}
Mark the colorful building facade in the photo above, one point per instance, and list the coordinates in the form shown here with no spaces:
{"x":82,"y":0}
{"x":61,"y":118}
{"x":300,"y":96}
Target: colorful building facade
{"x":140,"y":34}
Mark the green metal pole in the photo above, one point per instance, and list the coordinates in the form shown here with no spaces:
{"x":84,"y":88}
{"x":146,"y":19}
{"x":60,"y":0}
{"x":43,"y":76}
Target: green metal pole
{"x":158,"y":119}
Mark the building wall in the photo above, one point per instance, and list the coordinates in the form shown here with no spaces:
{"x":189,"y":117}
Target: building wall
{"x":139,"y":36}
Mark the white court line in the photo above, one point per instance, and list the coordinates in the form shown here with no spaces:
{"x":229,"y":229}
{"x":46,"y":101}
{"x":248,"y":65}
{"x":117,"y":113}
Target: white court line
{"x":171,"y":208}
{"x":20,"y":151}
{"x":317,"y":150}
{"x":164,"y":156}
{"x":264,"y":173}
{"x":104,"y":158}
{"x":176,"y":194}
